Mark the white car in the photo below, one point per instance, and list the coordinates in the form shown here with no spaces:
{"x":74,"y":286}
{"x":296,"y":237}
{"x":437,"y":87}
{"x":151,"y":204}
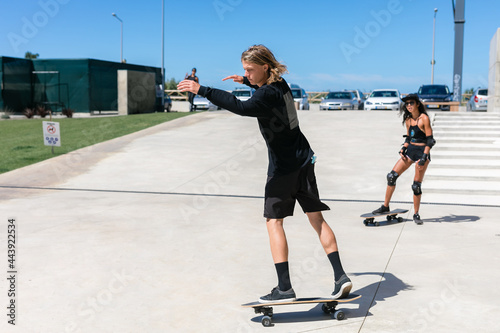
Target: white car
{"x":243,"y":94}
{"x":299,"y":96}
{"x":479,"y":100}
{"x":383,"y":99}
{"x":201,"y":103}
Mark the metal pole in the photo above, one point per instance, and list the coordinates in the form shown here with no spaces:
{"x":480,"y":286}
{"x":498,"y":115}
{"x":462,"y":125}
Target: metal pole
{"x":121,"y":36}
{"x":162,"y":55}
{"x":433,"y":43}
{"x":459,"y":15}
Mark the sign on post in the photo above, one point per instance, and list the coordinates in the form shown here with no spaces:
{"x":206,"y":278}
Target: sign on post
{"x":51,"y":134}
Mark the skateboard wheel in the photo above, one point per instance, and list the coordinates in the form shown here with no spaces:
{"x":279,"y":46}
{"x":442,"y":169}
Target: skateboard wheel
{"x":339,"y":315}
{"x":400,"y":219}
{"x":377,"y":224}
{"x":266,"y":321}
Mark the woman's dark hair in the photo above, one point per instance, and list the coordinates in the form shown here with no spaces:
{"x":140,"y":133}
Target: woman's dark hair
{"x":406,"y":114}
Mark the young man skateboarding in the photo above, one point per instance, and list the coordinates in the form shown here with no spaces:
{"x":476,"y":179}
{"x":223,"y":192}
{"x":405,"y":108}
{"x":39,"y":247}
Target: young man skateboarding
{"x":291,"y":162}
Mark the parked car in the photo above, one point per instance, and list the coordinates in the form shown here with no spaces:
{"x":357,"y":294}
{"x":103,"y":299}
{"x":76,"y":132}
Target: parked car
{"x":167,"y":103}
{"x":360,"y":97}
{"x":338,"y":100}
{"x":383,"y":99}
{"x":432,"y":94}
{"x":243,"y":94}
{"x":201,"y":103}
{"x":300,"y":96}
{"x":479,"y":100}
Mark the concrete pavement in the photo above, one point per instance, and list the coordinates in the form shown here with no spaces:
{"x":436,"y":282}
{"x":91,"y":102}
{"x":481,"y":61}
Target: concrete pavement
{"x":162,"y":231}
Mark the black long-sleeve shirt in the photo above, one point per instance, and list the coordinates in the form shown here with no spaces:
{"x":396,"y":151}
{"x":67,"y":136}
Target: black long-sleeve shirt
{"x":274,"y":108}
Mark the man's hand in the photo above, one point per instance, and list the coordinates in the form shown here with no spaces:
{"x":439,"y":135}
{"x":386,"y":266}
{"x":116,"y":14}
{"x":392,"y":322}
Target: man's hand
{"x":189,"y":85}
{"x":235,"y":78}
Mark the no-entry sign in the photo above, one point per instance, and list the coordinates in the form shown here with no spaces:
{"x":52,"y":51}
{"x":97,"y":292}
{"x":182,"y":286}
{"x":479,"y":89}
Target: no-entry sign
{"x":51,"y":134}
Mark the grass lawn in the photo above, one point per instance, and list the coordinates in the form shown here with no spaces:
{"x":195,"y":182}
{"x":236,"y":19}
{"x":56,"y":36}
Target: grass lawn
{"x":22,"y":141}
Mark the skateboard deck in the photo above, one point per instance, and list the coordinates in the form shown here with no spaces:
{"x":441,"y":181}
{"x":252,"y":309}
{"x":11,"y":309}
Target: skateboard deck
{"x":328,"y":307}
{"x":369,"y":218}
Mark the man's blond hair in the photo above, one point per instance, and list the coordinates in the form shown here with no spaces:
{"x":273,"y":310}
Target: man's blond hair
{"x":261,"y":55}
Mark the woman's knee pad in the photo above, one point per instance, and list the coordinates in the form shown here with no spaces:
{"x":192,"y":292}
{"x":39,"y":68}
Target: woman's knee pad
{"x":391,"y":178}
{"x":416,"y":187}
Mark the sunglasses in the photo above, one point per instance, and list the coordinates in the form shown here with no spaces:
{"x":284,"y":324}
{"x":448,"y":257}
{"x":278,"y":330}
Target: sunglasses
{"x":410,"y":103}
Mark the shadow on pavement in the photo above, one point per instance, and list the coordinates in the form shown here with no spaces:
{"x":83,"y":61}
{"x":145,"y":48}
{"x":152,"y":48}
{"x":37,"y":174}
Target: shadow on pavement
{"x":454,"y":219}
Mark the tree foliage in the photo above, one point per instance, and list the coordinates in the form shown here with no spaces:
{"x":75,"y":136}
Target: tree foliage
{"x":29,"y":55}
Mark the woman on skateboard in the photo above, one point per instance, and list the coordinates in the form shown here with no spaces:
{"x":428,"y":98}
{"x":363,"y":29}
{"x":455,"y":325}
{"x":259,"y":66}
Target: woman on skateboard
{"x":416,"y":149}
{"x":290,"y":175}
{"x":190,"y":94}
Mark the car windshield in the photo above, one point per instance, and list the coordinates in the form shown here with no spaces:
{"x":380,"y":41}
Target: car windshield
{"x":241,"y":93}
{"x":434,"y":90}
{"x":482,"y":92}
{"x":384,"y":93}
{"x":339,"y":95}
{"x":296,"y":93}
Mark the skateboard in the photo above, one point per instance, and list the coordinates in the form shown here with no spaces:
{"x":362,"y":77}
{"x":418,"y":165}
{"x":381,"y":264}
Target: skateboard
{"x":370,"y":217}
{"x":328,"y":307}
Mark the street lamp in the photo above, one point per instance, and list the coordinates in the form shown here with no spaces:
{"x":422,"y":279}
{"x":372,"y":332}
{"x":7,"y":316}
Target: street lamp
{"x":433,"y":42}
{"x":121,"y":36}
{"x":162,"y":55}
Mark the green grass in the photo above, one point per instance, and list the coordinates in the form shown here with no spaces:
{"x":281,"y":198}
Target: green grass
{"x":22,"y":140}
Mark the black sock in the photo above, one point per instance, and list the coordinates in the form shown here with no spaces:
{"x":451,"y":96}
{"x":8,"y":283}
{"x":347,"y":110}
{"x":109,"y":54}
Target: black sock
{"x":338,"y":271}
{"x":284,"y":282}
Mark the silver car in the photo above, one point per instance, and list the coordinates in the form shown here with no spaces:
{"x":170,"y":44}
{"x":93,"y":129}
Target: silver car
{"x":360,"y":97}
{"x":339,"y":100}
{"x":479,"y":100}
{"x":300,"y":96}
{"x":201,"y":103}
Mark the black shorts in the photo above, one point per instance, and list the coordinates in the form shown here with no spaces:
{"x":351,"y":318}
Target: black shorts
{"x":415,"y":152}
{"x":283,"y":190}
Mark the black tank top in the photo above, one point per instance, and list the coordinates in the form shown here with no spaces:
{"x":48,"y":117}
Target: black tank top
{"x":416,"y":134}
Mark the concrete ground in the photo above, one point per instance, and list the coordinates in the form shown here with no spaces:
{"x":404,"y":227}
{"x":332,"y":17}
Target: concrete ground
{"x":162,"y":231}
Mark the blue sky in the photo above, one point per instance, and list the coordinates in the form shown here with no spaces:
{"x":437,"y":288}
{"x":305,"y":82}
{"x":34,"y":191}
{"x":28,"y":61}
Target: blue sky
{"x":321,"y":41}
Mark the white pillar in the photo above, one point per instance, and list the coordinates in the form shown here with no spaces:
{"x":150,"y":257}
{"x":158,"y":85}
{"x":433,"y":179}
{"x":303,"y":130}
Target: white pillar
{"x":494,"y":74}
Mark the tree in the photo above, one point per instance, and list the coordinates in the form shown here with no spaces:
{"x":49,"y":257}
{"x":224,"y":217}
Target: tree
{"x":467,"y":94}
{"x":469,"y":91}
{"x":29,"y":55}
{"x":171,"y":84}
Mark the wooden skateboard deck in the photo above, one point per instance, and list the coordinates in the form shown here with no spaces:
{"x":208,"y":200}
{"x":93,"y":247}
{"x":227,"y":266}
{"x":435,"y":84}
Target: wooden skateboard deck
{"x":328,"y":307}
{"x":370,"y":217}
